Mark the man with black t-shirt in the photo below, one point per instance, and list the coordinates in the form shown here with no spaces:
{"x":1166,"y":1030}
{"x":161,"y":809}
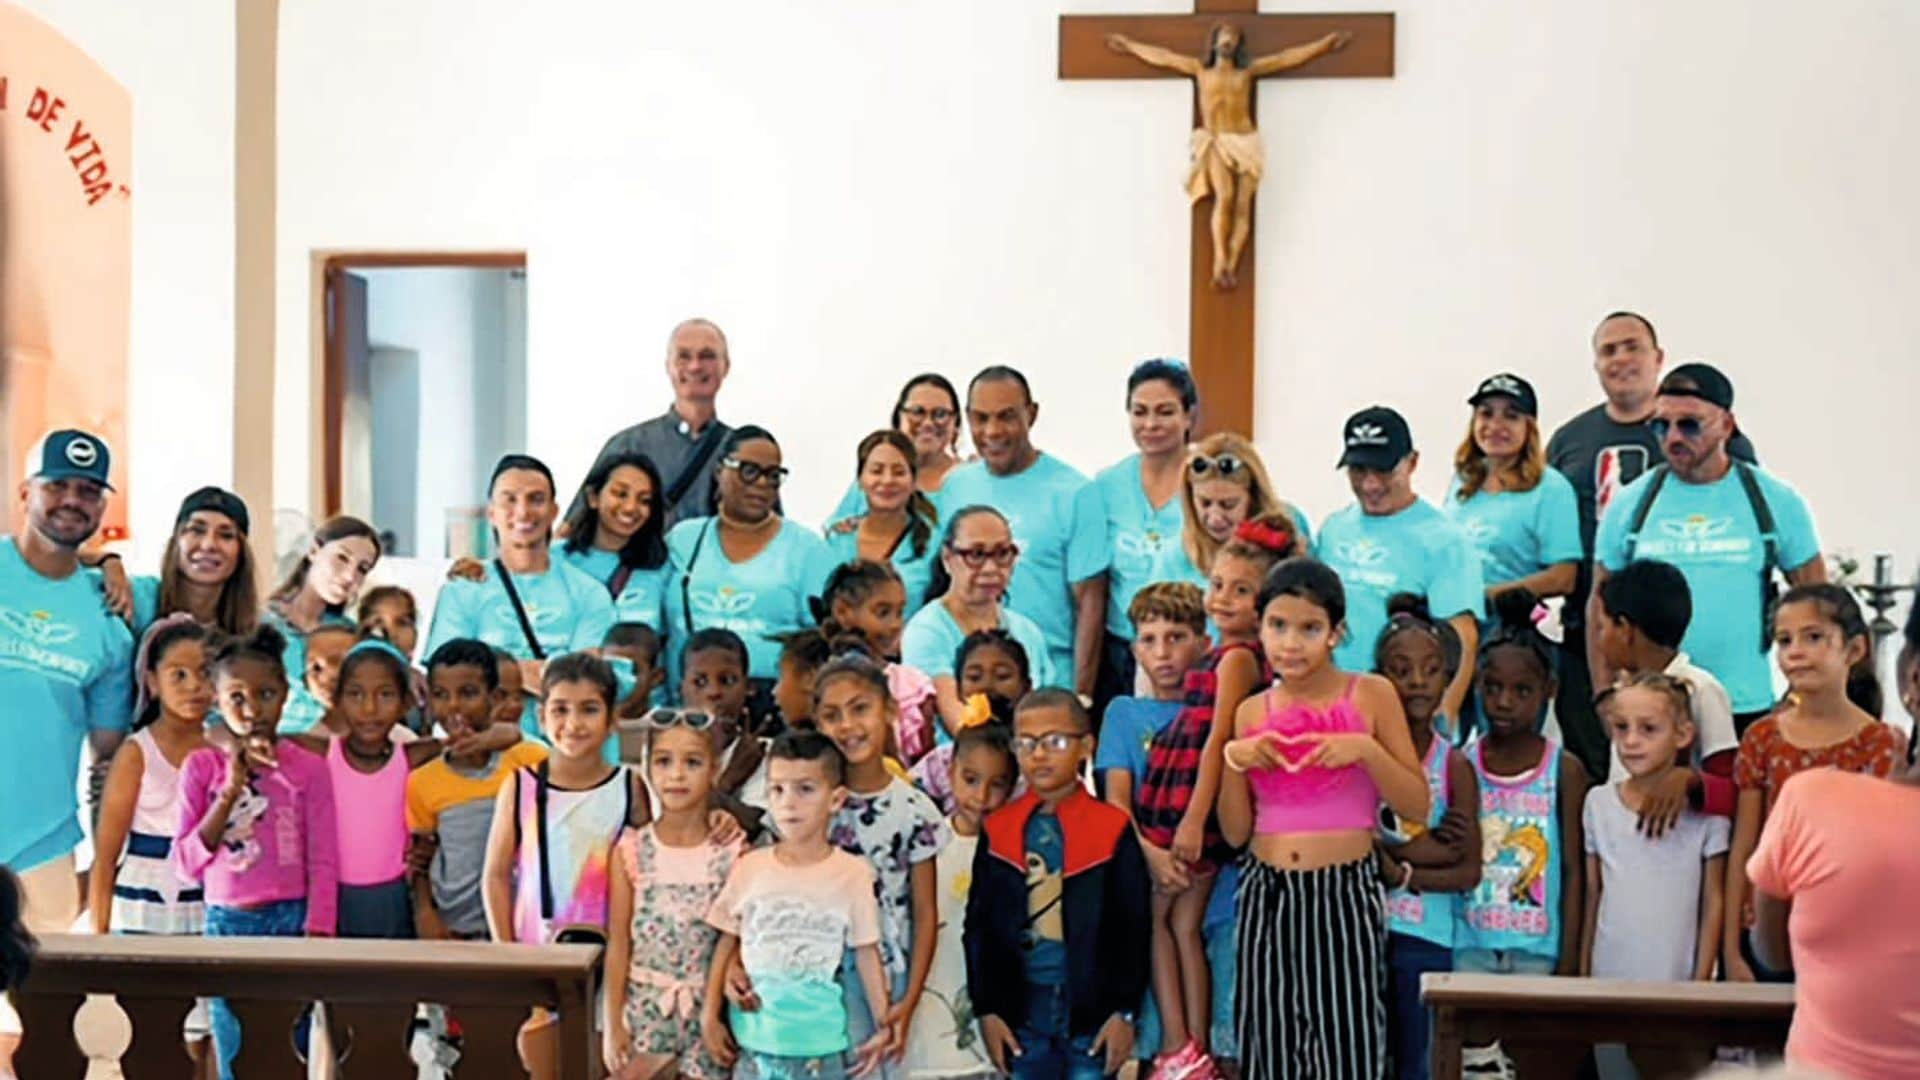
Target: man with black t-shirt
{"x":1601,"y":451}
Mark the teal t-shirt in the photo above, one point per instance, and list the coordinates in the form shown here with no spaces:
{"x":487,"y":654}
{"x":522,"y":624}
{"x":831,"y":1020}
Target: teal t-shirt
{"x":569,"y":612}
{"x":1046,"y":938}
{"x":146,"y":605}
{"x":1709,"y":532}
{"x":932,"y":637}
{"x":1519,"y":533}
{"x":643,"y":599}
{"x":1062,"y":538}
{"x":916,"y":571}
{"x":1143,"y":543}
{"x":66,"y":668}
{"x":1414,"y":551}
{"x":303,"y":711}
{"x":760,"y":599}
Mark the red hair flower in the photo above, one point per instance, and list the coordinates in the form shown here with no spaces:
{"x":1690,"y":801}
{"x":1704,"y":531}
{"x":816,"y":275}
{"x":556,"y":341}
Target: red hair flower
{"x":1277,"y":539}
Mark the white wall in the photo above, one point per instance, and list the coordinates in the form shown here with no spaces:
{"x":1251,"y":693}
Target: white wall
{"x":857,"y":192}
{"x":179,"y":67}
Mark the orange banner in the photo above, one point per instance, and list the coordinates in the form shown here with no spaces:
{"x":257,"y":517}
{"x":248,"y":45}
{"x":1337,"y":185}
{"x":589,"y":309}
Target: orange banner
{"x":66,"y":248}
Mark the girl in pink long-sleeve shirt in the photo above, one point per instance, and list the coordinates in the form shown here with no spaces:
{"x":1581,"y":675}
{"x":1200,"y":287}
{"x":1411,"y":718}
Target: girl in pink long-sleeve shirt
{"x":257,"y":821}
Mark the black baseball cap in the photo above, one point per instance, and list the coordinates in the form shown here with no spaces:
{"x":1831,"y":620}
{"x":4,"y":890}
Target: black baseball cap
{"x":1511,"y":386}
{"x":69,"y":453}
{"x":1376,"y":438}
{"x":220,"y":501}
{"x":1696,"y":380}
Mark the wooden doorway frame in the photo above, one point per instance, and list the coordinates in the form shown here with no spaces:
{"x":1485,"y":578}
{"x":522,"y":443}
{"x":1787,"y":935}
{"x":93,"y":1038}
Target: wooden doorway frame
{"x":329,"y":375}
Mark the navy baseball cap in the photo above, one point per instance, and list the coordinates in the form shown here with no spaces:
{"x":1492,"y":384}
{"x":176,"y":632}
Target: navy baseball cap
{"x":1377,"y":439}
{"x":1510,"y":386}
{"x":67,"y":454}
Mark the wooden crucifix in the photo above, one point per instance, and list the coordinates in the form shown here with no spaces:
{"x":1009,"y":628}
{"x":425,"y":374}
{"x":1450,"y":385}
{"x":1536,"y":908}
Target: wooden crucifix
{"x":1226,"y":160}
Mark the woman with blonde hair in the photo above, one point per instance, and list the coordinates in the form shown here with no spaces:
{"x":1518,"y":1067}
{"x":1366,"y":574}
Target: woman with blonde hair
{"x":1521,"y":516}
{"x":1224,"y":484}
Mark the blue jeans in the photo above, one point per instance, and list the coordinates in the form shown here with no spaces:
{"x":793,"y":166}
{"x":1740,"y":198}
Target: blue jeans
{"x":1408,"y":958}
{"x":1049,"y":1051}
{"x":288,"y":918}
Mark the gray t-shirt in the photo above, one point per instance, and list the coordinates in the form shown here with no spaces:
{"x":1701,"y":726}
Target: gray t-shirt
{"x":669,"y":443}
{"x":1649,"y":921}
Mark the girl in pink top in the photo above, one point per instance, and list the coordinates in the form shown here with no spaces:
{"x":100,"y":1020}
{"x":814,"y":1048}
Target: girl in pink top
{"x":368,"y":767}
{"x":1310,"y":763}
{"x":256,"y":821}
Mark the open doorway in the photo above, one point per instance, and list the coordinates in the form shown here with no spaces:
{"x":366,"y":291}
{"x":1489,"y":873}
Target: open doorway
{"x":425,"y":360}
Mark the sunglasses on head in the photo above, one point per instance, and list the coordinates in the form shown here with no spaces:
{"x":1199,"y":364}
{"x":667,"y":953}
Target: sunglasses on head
{"x":1689,"y":427}
{"x":662,"y":718}
{"x":1223,"y":465}
{"x":750,"y":473}
{"x":977,"y":557}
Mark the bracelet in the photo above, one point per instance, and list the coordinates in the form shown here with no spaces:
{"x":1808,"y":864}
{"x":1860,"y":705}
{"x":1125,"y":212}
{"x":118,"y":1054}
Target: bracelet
{"x":1226,"y":758}
{"x":1406,"y":875}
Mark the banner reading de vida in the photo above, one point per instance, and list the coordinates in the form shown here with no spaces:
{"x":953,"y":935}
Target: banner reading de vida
{"x":66,"y":250}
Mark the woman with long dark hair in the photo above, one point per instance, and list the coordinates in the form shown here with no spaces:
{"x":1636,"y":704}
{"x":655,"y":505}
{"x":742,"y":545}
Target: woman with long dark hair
{"x":900,"y":524}
{"x":319,"y":592}
{"x":745,"y":567}
{"x":927,"y":412}
{"x":617,"y":535}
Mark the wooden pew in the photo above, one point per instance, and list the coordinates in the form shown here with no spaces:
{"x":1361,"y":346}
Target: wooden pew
{"x":370,"y":987}
{"x":1570,"y":1014}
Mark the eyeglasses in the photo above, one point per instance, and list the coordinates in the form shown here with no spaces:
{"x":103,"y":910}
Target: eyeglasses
{"x":938,"y":414}
{"x":977,"y":557}
{"x":1054,"y":742}
{"x":750,"y":473}
{"x":1689,"y":427}
{"x":1225,"y":465}
{"x":662,"y":718}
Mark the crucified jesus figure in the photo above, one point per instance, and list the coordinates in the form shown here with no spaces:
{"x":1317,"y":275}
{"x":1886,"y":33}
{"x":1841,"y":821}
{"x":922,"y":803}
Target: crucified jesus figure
{"x":1227,"y":159}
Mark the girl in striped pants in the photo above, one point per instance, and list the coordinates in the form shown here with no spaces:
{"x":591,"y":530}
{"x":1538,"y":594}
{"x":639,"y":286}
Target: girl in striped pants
{"x":1311,"y":761}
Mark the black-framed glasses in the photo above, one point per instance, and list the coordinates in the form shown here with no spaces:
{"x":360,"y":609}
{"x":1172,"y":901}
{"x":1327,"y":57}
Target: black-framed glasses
{"x":1689,"y":427}
{"x":662,"y":718}
{"x":977,"y":557}
{"x":1053,"y":742}
{"x":939,"y":414}
{"x":1223,"y":465}
{"x":751,"y":473}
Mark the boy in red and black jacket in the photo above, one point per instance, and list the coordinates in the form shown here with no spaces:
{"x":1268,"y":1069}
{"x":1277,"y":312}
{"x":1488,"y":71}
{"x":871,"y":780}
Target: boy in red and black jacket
{"x":1058,"y":915}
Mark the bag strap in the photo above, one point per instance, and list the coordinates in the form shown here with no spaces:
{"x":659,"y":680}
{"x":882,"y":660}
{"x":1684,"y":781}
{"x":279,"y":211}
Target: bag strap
{"x":1770,"y":557}
{"x":696,"y":464}
{"x":1640,"y":512}
{"x":540,"y":832}
{"x":617,"y":584}
{"x":686,"y":577}
{"x":519,"y":610}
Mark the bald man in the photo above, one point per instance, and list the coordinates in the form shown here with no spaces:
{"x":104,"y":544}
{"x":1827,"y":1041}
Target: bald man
{"x":682,"y":441}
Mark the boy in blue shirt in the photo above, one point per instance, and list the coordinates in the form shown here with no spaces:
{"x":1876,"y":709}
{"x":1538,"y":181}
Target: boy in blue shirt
{"x":1169,"y":623}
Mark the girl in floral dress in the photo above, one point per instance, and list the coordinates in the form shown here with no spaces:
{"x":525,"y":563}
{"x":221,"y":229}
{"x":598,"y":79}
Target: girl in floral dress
{"x":673,"y":869}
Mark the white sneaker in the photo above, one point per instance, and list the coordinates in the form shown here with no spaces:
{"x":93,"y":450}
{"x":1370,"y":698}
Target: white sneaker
{"x":1486,"y":1063}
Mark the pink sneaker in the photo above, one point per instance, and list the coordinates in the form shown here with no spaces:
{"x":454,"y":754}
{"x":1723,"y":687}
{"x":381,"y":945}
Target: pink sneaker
{"x":1187,"y":1063}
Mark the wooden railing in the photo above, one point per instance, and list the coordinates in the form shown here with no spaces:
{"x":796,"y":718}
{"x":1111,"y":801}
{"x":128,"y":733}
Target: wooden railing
{"x":370,"y":988}
{"x":1570,"y":1014}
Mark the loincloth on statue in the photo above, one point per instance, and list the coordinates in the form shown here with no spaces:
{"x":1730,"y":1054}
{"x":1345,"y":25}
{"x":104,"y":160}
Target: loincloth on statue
{"x":1240,"y":152}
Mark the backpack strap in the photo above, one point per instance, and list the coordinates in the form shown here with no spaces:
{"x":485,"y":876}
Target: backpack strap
{"x":696,"y":463}
{"x":1640,"y":512}
{"x":1770,"y":557}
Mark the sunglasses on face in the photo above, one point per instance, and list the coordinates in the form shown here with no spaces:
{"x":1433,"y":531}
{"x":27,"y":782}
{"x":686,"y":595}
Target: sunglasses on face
{"x":1224,"y":465}
{"x":917,"y":413}
{"x":1053,"y":742}
{"x":1689,"y":427}
{"x":977,"y":557}
{"x":663,"y":718}
{"x":750,"y":473}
